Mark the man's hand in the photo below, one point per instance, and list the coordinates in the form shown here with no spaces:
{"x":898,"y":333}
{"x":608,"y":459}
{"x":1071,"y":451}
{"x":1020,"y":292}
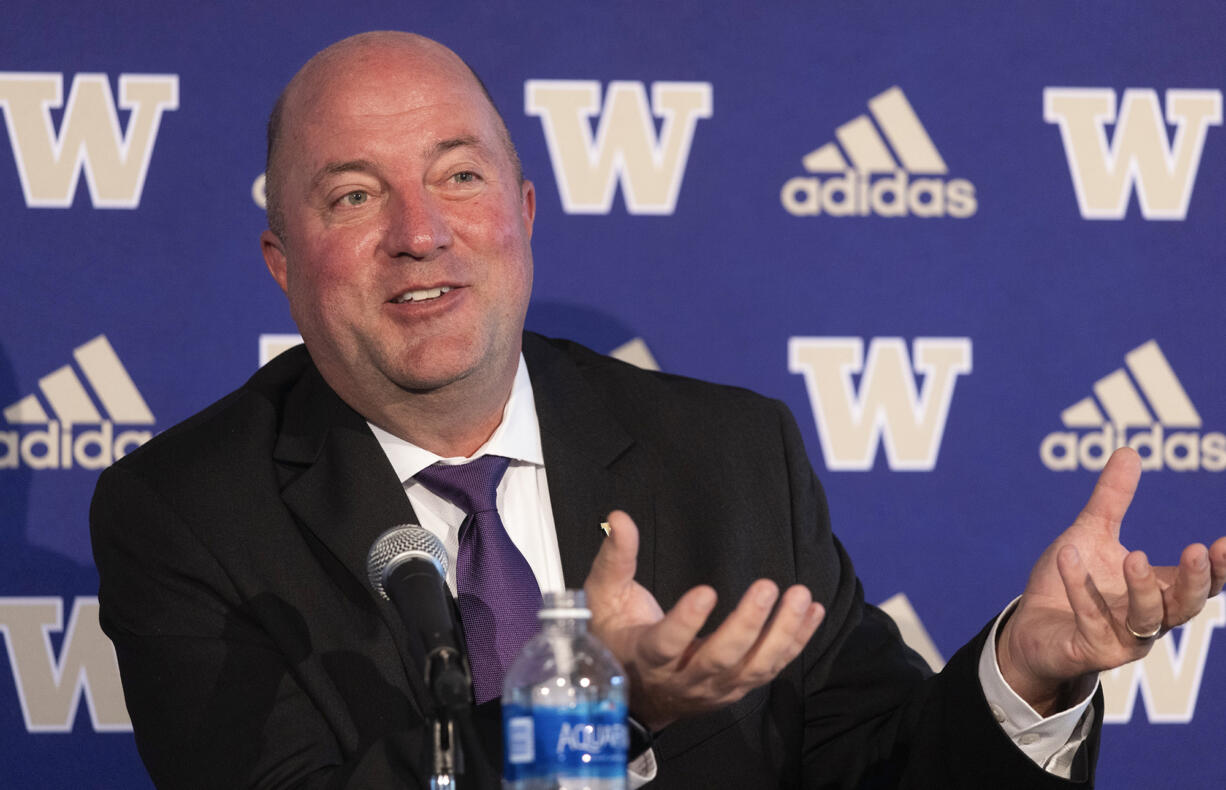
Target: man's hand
{"x":673,"y":673}
{"x":1087,"y":590}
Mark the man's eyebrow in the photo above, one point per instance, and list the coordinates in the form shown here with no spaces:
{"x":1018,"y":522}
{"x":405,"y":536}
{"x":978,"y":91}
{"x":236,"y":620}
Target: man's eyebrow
{"x":335,"y":168}
{"x":443,"y":146}
{"x":367,"y":166}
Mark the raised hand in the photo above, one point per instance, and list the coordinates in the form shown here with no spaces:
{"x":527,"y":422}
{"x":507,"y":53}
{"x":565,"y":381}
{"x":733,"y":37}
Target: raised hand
{"x":1092,"y":605}
{"x":673,"y":673}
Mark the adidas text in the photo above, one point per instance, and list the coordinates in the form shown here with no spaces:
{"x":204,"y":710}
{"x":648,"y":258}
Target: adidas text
{"x":856,"y":195}
{"x":57,"y":447}
{"x":1180,"y":451}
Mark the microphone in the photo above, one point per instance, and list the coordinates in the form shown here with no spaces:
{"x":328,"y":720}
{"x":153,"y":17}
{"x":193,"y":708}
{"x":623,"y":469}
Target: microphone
{"x":407,"y":565}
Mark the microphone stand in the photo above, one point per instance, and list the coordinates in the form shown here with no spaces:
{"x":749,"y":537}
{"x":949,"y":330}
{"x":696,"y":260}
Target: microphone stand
{"x":450,"y":685}
{"x":446,"y":755}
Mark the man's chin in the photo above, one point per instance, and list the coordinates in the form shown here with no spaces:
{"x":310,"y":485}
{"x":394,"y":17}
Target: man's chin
{"x":440,"y":366}
{"x":422,"y":379}
{"x":427,"y":386}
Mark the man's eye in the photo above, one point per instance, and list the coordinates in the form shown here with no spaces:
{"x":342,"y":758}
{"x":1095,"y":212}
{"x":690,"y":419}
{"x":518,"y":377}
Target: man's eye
{"x":465,"y":177}
{"x":355,"y":198}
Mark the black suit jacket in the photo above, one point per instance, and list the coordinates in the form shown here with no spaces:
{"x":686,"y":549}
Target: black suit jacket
{"x":231,"y":551}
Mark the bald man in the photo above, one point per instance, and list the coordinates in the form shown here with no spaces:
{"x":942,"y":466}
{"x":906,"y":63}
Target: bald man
{"x":232,"y":547}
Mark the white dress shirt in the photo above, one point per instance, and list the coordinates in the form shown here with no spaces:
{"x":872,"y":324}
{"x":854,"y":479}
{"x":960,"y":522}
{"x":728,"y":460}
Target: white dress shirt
{"x":527,"y":514}
{"x":523,"y":493}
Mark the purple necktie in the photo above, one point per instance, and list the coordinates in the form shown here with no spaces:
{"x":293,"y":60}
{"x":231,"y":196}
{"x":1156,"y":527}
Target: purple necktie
{"x":498,"y":594}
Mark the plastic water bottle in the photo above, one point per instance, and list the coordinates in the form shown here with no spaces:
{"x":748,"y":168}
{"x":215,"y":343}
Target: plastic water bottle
{"x":564,"y":705}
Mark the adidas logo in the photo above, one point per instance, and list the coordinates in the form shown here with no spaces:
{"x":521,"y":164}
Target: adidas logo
{"x":55,"y":444}
{"x":853,"y":190}
{"x":1129,"y":421}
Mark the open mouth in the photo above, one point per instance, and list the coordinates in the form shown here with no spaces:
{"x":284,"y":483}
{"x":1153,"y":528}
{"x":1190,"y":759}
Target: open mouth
{"x":424,"y":295}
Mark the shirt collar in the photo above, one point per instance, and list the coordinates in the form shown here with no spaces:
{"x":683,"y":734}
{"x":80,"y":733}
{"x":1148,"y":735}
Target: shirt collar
{"x":517,"y":437}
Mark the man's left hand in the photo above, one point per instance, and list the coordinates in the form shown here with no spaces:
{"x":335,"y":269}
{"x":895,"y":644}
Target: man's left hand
{"x":674,"y":673}
{"x":1088,"y":597}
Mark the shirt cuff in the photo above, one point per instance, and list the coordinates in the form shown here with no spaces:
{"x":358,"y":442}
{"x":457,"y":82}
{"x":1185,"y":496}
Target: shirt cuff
{"x":1050,"y":742}
{"x":642,"y":769}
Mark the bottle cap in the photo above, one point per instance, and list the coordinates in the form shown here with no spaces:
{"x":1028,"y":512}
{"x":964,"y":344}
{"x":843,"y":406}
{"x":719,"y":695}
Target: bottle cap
{"x":564,"y":605}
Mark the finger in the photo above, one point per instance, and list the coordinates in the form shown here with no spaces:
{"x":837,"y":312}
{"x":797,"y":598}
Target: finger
{"x":613,"y":568}
{"x":811,"y":617}
{"x":783,"y":639}
{"x":1113,"y":492}
{"x":1187,"y":595}
{"x":1091,"y":612}
{"x":728,"y":646}
{"x":815,"y":615}
{"x":1217,"y":564}
{"x":1145,"y":608}
{"x":673,"y":637}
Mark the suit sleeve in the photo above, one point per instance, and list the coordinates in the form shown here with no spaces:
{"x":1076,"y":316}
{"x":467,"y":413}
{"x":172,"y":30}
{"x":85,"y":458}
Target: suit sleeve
{"x":874,"y":714}
{"x":213,"y":702}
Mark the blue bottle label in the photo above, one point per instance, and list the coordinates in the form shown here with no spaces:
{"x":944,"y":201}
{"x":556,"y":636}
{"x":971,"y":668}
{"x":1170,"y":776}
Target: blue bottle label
{"x":586,"y":740}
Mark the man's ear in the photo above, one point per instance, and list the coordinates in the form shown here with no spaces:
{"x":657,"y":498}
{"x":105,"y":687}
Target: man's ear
{"x":527,"y":197}
{"x":274,"y":258}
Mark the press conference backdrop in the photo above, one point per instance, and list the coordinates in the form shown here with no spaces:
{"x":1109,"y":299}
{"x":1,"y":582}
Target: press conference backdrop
{"x":972,"y":246}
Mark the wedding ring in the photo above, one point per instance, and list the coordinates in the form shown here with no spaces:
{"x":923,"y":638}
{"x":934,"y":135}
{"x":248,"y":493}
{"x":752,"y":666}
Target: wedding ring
{"x":1143,"y":637}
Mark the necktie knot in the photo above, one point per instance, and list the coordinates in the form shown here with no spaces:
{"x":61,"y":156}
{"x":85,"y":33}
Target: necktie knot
{"x":472,"y":486}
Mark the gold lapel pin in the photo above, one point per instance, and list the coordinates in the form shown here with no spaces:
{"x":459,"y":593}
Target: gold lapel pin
{"x":605,"y":526}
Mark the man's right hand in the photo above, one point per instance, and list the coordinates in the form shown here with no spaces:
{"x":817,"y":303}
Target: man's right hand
{"x":673,"y":673}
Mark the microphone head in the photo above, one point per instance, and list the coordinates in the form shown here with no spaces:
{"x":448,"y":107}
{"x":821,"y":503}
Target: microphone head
{"x":399,"y":544}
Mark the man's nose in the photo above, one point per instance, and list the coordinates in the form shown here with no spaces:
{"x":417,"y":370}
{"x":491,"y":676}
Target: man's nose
{"x":417,"y":227}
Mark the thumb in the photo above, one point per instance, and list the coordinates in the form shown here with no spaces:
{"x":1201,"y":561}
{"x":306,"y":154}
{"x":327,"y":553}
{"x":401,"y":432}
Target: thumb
{"x":1113,"y":493}
{"x":617,"y":559}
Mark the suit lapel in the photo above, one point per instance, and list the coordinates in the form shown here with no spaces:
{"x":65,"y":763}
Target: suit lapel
{"x":338,"y":483}
{"x":590,"y":461}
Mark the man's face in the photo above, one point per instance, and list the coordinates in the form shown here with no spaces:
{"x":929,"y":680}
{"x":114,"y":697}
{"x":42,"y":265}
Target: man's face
{"x":406,"y":254}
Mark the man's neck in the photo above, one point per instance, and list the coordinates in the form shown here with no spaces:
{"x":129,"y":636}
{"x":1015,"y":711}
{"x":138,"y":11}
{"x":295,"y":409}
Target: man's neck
{"x":452,"y":422}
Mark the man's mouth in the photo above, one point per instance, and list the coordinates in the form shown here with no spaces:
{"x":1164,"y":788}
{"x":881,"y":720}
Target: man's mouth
{"x":422,"y":295}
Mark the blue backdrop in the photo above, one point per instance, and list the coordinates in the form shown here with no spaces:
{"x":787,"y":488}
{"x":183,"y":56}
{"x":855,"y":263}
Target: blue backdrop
{"x":970,"y":245}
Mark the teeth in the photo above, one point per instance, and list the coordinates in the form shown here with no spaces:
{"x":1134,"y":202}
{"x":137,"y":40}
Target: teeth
{"x":421,"y":296}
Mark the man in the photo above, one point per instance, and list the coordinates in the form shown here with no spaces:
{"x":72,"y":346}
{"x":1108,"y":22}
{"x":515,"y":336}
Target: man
{"x":231,"y":549}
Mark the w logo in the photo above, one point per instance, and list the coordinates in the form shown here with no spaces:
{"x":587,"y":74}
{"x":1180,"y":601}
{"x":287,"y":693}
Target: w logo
{"x":1104,"y":172}
{"x":887,"y":407}
{"x":625,"y":148}
{"x":115,"y":161}
{"x":50,"y":687}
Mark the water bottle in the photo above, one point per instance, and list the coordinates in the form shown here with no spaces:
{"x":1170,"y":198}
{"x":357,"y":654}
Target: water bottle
{"x":564,"y":704}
